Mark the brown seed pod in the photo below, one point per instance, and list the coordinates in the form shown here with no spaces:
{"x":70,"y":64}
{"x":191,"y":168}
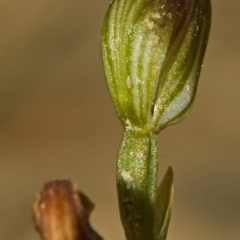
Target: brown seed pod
{"x":61,"y":212}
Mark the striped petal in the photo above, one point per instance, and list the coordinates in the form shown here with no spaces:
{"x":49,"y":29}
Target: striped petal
{"x":179,"y":75}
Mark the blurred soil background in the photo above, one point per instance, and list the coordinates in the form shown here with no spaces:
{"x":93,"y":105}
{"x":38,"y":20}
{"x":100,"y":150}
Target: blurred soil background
{"x":57,"y":121}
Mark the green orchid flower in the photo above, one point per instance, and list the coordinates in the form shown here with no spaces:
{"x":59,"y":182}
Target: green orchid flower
{"x":152,"y":53}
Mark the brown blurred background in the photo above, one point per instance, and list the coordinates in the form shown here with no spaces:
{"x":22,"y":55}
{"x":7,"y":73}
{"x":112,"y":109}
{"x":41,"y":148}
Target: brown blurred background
{"x":57,"y":121}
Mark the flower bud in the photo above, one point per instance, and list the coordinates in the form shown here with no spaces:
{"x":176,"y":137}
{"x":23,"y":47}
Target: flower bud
{"x":152,"y":53}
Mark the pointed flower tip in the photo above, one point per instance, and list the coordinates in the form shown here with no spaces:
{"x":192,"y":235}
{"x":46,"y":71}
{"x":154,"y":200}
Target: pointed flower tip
{"x":152,"y":54}
{"x":170,"y":172}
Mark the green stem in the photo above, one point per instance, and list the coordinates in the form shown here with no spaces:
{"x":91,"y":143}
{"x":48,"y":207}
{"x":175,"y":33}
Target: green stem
{"x":137,"y":169}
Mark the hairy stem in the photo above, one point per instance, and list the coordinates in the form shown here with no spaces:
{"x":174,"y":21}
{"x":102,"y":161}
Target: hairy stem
{"x":137,"y":169}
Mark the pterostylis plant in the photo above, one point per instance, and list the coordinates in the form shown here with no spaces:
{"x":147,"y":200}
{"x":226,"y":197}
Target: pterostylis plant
{"x":152,"y":53}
